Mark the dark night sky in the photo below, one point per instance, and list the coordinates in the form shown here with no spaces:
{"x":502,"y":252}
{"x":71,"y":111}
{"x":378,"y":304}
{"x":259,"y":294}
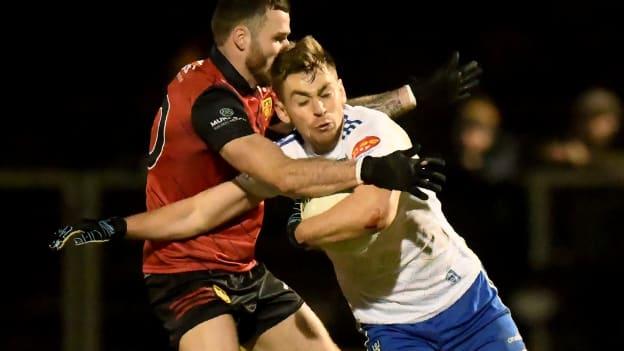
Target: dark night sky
{"x":99,"y":71}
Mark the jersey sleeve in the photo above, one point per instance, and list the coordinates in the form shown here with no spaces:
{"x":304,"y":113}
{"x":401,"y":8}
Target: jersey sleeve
{"x":219,"y":117}
{"x":377,"y":135}
{"x":292,"y":146}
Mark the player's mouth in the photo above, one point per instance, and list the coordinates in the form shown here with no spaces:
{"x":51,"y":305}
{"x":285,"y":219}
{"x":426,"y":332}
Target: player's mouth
{"x":325,"y":126}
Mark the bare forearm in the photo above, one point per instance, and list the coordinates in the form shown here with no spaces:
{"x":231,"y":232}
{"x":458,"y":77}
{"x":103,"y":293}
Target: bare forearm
{"x":190,"y":217}
{"x":321,"y":230}
{"x":367,"y":210}
{"x":264,"y":161}
{"x":394,"y":103}
{"x":316,"y":177}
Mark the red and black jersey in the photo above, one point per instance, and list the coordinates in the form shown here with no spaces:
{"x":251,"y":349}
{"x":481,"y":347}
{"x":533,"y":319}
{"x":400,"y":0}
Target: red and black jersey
{"x":207,"y":105}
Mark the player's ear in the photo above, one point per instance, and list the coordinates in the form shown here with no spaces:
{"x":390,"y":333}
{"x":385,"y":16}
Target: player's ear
{"x":282,"y":114}
{"x":342,"y":92}
{"x":241,"y":36}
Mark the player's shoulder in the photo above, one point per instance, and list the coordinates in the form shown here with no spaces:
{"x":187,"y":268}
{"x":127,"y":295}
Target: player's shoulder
{"x":375,"y":133}
{"x":195,"y":78}
{"x":220,"y":93}
{"x":217,"y":104}
{"x":366,"y":117}
{"x":192,"y":72}
{"x":364,"y":113}
{"x":292,"y":145}
{"x":360,"y":119}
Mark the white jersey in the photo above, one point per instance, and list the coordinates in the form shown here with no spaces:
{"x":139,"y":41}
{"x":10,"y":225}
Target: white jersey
{"x":419,"y":265}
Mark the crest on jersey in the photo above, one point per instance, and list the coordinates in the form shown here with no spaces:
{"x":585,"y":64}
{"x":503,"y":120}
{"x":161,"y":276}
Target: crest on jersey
{"x":267,"y":108}
{"x":364,"y":145}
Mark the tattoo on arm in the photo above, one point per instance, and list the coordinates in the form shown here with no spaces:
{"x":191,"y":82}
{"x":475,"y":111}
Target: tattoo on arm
{"x":393,"y":103}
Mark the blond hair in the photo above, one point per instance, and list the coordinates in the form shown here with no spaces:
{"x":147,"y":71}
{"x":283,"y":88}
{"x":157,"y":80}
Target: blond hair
{"x":305,"y":55}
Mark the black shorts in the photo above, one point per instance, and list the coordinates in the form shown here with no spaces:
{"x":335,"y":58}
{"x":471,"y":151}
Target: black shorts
{"x":256,"y":300}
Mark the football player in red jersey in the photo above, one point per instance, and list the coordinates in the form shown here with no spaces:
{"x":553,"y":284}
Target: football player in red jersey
{"x":209,"y":291}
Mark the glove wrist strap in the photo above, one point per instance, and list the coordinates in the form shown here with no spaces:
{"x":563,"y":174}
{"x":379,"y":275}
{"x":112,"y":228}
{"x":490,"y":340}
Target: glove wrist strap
{"x":120,"y":226}
{"x":358,"y":170}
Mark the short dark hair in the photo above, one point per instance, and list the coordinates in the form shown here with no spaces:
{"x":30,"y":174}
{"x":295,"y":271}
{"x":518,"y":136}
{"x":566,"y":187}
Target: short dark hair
{"x":306,"y":55}
{"x":230,"y":13}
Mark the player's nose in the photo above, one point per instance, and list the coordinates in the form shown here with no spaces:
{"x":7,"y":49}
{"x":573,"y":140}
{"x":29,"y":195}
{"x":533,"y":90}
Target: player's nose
{"x":318,"y":107}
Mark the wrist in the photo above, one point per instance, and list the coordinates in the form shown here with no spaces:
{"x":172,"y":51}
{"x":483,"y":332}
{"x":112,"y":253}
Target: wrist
{"x":358,"y":170}
{"x":365,"y":166}
{"x":119,"y":226}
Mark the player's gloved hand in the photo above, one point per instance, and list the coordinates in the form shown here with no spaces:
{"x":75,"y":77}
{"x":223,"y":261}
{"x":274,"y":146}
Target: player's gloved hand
{"x":427,"y":177}
{"x":88,"y":231}
{"x":399,"y":171}
{"x":293,"y":222}
{"x":447,"y":85}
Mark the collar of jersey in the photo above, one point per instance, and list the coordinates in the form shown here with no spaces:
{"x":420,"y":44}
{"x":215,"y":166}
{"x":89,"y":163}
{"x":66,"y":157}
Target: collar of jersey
{"x":230,"y":73}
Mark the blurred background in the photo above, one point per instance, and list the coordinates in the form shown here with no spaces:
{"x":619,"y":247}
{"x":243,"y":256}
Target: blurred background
{"x":535,"y":158}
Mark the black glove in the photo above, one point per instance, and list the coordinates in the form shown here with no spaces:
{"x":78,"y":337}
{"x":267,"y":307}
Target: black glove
{"x":398,"y":171}
{"x":89,"y":231}
{"x":447,"y":85}
{"x":293,"y":222}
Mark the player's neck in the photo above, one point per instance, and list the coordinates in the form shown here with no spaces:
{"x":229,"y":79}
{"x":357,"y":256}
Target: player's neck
{"x":237,"y":60}
{"x":325,"y":148}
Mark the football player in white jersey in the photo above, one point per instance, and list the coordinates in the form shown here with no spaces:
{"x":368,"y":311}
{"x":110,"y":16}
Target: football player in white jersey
{"x":413,"y":284}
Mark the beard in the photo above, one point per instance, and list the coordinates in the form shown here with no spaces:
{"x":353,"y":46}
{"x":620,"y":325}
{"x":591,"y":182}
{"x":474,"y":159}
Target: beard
{"x":257,"y":63}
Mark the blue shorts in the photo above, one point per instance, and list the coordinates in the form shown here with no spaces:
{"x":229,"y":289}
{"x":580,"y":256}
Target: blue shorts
{"x":477,"y":321}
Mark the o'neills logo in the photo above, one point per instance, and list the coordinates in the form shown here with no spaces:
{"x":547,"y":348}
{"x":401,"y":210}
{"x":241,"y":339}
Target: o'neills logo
{"x":364,"y":145}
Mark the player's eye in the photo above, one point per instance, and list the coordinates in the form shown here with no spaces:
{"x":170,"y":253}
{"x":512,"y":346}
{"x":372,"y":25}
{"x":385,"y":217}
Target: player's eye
{"x":280,"y":38}
{"x":302,"y":103}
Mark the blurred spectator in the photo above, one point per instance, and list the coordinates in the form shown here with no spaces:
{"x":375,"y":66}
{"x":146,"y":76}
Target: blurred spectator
{"x":483,"y":198}
{"x":482,"y":148}
{"x":597,"y":115}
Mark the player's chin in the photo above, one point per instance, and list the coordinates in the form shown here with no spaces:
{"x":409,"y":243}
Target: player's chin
{"x":325,"y":135}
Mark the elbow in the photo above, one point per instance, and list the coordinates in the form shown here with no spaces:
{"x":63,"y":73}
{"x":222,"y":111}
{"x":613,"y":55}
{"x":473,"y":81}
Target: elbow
{"x":374,"y":209}
{"x":376,"y":216}
{"x":374,"y":219}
